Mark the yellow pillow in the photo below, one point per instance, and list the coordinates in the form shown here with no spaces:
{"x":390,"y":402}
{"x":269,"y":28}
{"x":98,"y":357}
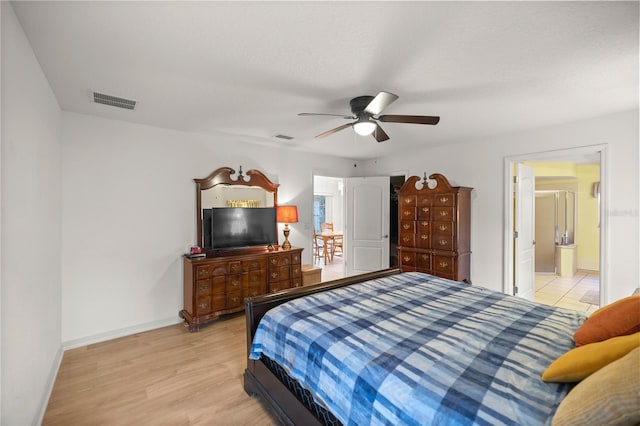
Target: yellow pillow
{"x":582,"y":361}
{"x":607,"y":397}
{"x":616,"y":319}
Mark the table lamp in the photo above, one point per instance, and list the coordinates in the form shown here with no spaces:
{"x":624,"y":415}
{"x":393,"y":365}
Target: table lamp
{"x":286,"y":215}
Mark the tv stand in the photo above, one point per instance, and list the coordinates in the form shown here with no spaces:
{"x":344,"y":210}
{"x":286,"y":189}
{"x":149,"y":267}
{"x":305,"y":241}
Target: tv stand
{"x":219,"y":283}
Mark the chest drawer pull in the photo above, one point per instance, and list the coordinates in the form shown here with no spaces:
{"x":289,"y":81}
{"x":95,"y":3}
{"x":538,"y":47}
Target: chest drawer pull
{"x":274,"y":275}
{"x":444,"y":264}
{"x":424,"y":236}
{"x":406,"y":239}
{"x":443,"y":242}
{"x":254,"y":265}
{"x":443,"y":227}
{"x":444,"y":213}
{"x":274,"y":261}
{"x":406,"y":226}
{"x":202,"y":305}
{"x":444,"y":199}
{"x":407,"y":200}
{"x":425,"y":209}
{"x":407,"y":213}
{"x":406,"y":258}
{"x":235,"y":283}
{"x":204,"y":287}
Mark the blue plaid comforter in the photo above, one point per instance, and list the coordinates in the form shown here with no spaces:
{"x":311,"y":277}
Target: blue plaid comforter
{"x":415,"y":349}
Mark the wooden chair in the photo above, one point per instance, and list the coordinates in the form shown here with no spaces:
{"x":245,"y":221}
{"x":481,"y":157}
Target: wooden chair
{"x":326,"y":226}
{"x":337,"y":244}
{"x":318,"y":249}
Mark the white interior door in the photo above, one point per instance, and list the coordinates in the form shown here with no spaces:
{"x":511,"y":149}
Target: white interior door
{"x":366,"y":238}
{"x":524,"y":231}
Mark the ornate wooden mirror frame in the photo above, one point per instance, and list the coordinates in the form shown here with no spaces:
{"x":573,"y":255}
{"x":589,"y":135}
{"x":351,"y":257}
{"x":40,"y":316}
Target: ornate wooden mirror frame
{"x":222,"y":177}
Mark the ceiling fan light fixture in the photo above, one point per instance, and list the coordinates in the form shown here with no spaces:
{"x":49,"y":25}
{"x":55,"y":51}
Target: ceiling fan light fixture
{"x":364,"y":127}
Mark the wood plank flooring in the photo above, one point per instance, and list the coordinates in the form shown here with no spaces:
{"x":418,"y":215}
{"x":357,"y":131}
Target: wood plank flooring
{"x":166,"y":376}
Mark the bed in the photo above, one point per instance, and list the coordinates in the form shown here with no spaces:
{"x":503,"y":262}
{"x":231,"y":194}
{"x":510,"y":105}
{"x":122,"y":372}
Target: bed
{"x":405,"y":348}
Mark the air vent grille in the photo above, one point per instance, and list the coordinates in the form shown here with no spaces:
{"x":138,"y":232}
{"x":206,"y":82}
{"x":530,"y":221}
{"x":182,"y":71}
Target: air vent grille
{"x":284,"y":137}
{"x":101,"y":98}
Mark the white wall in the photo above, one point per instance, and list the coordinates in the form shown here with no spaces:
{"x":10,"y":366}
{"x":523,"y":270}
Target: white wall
{"x":129,"y":214}
{"x":480,"y":164}
{"x":30,"y":206}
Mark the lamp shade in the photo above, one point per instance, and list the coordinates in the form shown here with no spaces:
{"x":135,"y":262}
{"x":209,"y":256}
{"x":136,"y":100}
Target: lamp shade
{"x":287,"y":214}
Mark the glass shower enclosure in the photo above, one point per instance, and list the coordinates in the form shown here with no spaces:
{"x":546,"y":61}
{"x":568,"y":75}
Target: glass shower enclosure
{"x":555,"y":217}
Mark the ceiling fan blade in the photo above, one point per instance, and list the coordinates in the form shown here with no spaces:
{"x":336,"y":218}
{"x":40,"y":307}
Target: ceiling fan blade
{"x":380,"y":134}
{"x":413,"y":119}
{"x":332,"y":131}
{"x":380,"y":102}
{"x":332,"y":115}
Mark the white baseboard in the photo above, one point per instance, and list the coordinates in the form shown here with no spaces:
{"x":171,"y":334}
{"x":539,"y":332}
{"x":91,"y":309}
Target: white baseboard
{"x":51,"y":381}
{"x":102,"y":337}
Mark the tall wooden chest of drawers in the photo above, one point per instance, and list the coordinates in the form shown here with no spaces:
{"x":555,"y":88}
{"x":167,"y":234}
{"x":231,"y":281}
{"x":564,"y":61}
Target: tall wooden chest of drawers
{"x":435,"y":228}
{"x":219,"y":285}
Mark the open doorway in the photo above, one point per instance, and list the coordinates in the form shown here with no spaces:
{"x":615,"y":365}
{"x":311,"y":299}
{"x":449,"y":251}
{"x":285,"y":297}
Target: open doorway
{"x":569,"y":233}
{"x":364,"y":220}
{"x":328,"y":208}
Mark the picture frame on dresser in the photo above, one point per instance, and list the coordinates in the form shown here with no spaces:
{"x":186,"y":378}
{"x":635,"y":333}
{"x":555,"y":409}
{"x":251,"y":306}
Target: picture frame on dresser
{"x":218,"y":283}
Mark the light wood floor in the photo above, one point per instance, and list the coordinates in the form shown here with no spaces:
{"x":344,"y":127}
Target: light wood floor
{"x":166,"y":376}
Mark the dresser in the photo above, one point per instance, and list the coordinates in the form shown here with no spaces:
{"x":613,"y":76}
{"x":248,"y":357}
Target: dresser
{"x":219,"y":285}
{"x":434,"y":220}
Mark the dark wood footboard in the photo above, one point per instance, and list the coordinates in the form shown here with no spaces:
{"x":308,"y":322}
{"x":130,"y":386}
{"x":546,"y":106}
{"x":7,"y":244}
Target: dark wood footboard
{"x":258,"y":379}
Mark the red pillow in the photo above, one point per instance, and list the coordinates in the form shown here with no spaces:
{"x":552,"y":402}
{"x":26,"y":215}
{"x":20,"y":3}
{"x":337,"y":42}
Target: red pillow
{"x":616,"y":319}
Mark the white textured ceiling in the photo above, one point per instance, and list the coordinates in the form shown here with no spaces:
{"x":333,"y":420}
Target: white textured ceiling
{"x":243,"y":70}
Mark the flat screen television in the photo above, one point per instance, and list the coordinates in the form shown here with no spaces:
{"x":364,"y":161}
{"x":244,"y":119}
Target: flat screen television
{"x":229,"y":227}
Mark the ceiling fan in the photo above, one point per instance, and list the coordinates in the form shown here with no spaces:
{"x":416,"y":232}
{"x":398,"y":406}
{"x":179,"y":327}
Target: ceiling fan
{"x":366,"y":110}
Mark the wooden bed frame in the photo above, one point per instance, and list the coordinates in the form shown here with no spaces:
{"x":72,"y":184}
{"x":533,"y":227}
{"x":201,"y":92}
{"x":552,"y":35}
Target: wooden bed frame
{"x":258,"y":378}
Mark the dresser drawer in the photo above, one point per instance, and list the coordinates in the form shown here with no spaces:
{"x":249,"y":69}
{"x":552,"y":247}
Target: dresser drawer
{"x":234,"y":283}
{"x":423,"y":261}
{"x":443,"y":228}
{"x":444,"y":200}
{"x":407,"y":213}
{"x":203,"y":271}
{"x":444,"y":264}
{"x":296,"y":271}
{"x":407,"y":240}
{"x":254,"y":265}
{"x":279,"y":274}
{"x":255,"y":277}
{"x":408,"y":200}
{"x":234,"y":299}
{"x":203,"y":305}
{"x":423,"y":240}
{"x":407,"y":226}
{"x":443,"y":214}
{"x":408,"y":258}
{"x":424,"y":212}
{"x":203,"y":288}
{"x":280,"y":260}
{"x":234,"y":267}
{"x":442,"y":243}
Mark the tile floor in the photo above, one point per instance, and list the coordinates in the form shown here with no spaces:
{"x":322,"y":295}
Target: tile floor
{"x":566,"y":292}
